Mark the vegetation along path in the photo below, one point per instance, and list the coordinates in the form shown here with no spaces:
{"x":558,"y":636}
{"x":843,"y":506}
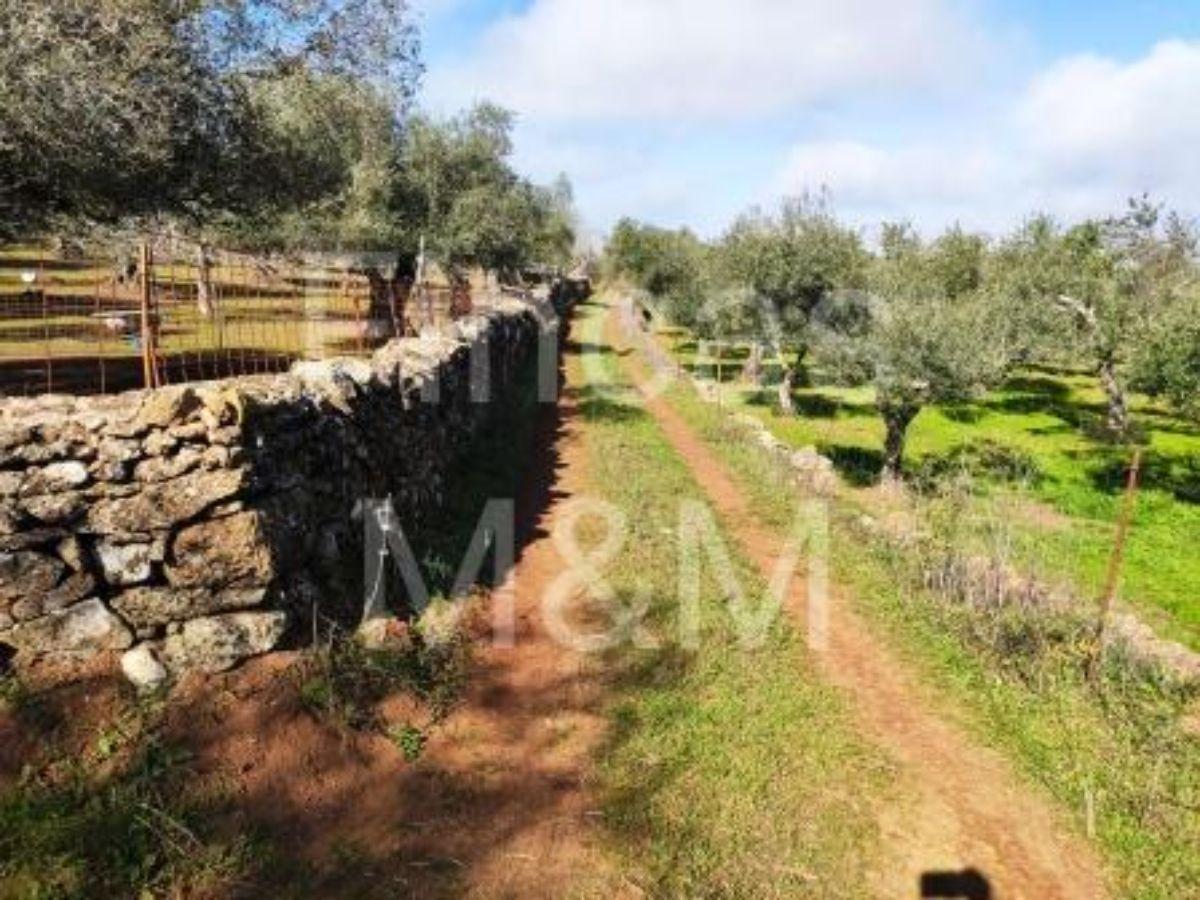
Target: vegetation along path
{"x":962,"y":805}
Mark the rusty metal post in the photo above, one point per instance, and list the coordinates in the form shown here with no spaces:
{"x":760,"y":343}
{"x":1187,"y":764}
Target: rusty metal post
{"x":145,"y":262}
{"x":1113,"y":578}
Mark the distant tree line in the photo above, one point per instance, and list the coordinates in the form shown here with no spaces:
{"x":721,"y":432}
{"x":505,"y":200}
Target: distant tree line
{"x":259,"y":124}
{"x":936,"y":321}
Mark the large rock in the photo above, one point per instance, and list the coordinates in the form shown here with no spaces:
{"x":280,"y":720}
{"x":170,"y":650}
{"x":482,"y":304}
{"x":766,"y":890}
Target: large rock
{"x":221,"y":642}
{"x":124,"y":564}
{"x":149,"y":607}
{"x":164,"y":504}
{"x":86,"y":628}
{"x":26,"y":572}
{"x":227,"y":552}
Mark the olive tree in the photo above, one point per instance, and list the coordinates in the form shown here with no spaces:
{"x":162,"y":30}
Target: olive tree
{"x":670,"y":266}
{"x":457,"y":187}
{"x":1167,"y":363}
{"x":1110,"y":282}
{"x":916,"y":336}
{"x":131,"y":111}
{"x":791,"y":262}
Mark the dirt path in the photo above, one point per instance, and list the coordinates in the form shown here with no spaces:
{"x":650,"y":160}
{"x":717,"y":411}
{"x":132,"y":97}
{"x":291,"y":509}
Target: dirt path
{"x":962,"y":804}
{"x":531,"y":723}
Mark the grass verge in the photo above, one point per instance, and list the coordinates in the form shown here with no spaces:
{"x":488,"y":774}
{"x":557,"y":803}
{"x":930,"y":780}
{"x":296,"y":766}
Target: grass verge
{"x":1019,"y":678}
{"x":728,"y":773}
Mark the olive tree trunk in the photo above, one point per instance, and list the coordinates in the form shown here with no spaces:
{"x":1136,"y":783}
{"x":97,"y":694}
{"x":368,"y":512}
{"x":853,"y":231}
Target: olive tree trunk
{"x":896,"y":418}
{"x":1118,"y":406}
{"x":752,"y":373}
{"x":787,"y":405}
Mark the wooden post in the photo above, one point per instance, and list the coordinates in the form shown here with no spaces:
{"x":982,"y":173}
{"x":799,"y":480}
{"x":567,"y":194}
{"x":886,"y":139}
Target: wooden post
{"x":1115,"y":561}
{"x":149,"y":365}
{"x":41,"y":280}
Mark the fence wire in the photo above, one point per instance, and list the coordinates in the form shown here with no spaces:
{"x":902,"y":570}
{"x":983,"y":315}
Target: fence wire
{"x":103,"y":325}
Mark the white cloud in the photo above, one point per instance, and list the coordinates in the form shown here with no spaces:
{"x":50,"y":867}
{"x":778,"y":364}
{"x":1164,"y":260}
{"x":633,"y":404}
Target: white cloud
{"x":707,"y":59}
{"x":1139,"y":121}
{"x":1081,"y":137}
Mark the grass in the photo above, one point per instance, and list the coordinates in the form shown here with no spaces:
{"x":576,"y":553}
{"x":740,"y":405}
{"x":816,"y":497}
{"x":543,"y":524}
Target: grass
{"x":124,"y":818}
{"x":1068,"y":481}
{"x":726,"y":770}
{"x":1020,"y":681}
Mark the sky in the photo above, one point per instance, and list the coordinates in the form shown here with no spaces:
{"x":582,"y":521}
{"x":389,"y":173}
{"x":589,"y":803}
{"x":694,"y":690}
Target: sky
{"x":975,"y":112}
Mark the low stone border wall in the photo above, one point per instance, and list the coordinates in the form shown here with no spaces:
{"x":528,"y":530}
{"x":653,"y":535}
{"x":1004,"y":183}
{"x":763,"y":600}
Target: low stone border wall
{"x":190,"y":527}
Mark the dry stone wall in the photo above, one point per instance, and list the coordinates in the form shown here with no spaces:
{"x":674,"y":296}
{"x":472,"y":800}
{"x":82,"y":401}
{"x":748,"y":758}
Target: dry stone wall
{"x":192,"y":526}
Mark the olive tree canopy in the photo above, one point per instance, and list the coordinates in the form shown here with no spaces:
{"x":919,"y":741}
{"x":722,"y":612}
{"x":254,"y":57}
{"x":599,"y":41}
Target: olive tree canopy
{"x":124,"y":110}
{"x":921,"y":334}
{"x":791,"y":262}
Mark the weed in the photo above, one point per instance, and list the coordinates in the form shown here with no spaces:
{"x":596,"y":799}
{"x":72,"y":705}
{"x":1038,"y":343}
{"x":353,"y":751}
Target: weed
{"x":409,"y":740}
{"x":347,"y":681}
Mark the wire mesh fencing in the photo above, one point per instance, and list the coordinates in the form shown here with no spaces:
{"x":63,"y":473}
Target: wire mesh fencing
{"x":176,"y":311}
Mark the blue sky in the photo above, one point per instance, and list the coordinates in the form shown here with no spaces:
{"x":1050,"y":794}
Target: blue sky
{"x":935,"y":111}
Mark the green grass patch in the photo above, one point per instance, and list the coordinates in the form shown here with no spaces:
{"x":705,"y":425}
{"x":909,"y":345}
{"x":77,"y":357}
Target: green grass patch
{"x":729,"y":772}
{"x":1044,"y":429}
{"x":124,"y":819}
{"x":1020,"y":680}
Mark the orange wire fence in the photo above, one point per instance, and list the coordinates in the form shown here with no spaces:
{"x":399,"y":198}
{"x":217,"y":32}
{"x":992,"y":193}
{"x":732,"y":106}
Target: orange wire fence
{"x":177,"y":311}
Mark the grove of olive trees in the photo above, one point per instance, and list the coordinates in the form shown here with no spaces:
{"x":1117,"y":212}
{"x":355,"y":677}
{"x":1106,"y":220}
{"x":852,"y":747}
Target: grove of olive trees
{"x":942,"y":320}
{"x":257,"y":124}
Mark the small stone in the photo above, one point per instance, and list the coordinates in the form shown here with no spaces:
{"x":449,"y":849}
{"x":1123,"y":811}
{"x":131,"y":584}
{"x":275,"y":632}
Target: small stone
{"x":26,"y":573}
{"x":57,"y":476}
{"x":70,"y":550}
{"x":192,"y":431}
{"x":142,"y":668}
{"x":119,"y":450}
{"x":167,"y":406}
{"x":76,"y":586}
{"x":124,"y":564}
{"x":55,"y":508}
{"x":159,"y":443}
{"x":12,"y":435}
{"x":87,"y":627}
{"x":221,"y":642}
{"x":29,"y":538}
{"x":112,"y":471}
{"x":10,"y":483}
{"x":10,"y":519}
{"x":225,"y":437}
{"x":162,"y":468}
